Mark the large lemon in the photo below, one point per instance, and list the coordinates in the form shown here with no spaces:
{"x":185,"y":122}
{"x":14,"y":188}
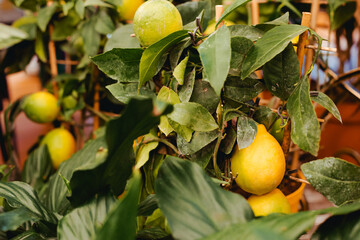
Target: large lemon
{"x":128,"y":8}
{"x":41,"y":107}
{"x":154,"y":20}
{"x":261,"y":166}
{"x":61,"y":145}
{"x":272,"y":202}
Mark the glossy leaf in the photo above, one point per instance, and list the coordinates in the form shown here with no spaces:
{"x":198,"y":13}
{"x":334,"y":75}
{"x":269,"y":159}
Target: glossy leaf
{"x":198,"y":141}
{"x":230,"y":9}
{"x":142,"y":155}
{"x":215,"y":54}
{"x":203,"y":156}
{"x":121,"y":221}
{"x":148,"y":206}
{"x":184,"y":131}
{"x":81,"y":222}
{"x":45,"y":14}
{"x":188,"y":87}
{"x":282,"y":73}
{"x":169,"y":96}
{"x":125,"y":91}
{"x":305,"y":129}
{"x":239,"y":48}
{"x":242,"y":90}
{"x":326,"y":102}
{"x":265,"y":116}
{"x":336,"y":179}
{"x":20,"y":194}
{"x":121,"y":38}
{"x":190,"y":10}
{"x":176,"y":51}
{"x":37,"y":167}
{"x":120,"y":64}
{"x":10,"y":36}
{"x":246,"y":131}
{"x":271,"y":44}
{"x":152,"y":55}
{"x":10,"y":221}
{"x":179,"y":70}
{"x":245,"y":31}
{"x":205,"y":95}
{"x":193,"y":116}
{"x":193,"y":204}
{"x":227,"y":144}
{"x":90,"y":37}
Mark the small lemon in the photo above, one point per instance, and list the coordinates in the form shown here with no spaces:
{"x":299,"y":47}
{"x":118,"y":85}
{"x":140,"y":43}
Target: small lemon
{"x":128,"y":8}
{"x":41,"y":107}
{"x":154,"y":20}
{"x":272,"y":202}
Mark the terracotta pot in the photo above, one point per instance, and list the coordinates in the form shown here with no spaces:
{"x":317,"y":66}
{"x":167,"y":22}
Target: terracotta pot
{"x":294,"y":197}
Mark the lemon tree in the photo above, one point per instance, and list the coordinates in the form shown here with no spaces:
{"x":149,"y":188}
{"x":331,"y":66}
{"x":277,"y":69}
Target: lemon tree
{"x":154,"y":20}
{"x":41,"y":107}
{"x":61,"y":145}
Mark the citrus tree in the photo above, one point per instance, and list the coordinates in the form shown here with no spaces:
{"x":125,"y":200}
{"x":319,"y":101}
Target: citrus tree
{"x":169,"y":166}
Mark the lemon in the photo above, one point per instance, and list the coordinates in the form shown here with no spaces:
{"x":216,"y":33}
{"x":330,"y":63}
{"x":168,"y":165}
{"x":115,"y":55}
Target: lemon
{"x":41,"y":107}
{"x":128,"y":8}
{"x":261,"y":166}
{"x":61,"y":145}
{"x":272,"y":202}
{"x":295,"y":40}
{"x":154,"y":20}
{"x":211,"y":27}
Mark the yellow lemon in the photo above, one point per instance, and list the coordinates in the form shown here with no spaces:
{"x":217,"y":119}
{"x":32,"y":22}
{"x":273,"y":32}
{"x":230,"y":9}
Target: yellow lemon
{"x":261,"y":166}
{"x":128,"y":8}
{"x":41,"y":107}
{"x":61,"y":145}
{"x":272,"y":202}
{"x":154,"y":20}
{"x":211,"y":27}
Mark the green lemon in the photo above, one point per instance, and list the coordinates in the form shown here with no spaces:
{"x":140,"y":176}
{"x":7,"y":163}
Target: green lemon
{"x":41,"y":107}
{"x":154,"y":20}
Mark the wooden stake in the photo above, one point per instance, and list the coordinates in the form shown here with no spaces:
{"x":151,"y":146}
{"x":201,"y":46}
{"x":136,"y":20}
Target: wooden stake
{"x":306,"y":17}
{"x":219,"y":9}
{"x":52,"y":60}
{"x":315,"y":6}
{"x":96,"y":97}
{"x":255,"y":16}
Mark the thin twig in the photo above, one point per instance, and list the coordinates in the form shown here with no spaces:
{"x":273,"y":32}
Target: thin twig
{"x":164,"y":141}
{"x":97,"y":113}
{"x":298,"y":179}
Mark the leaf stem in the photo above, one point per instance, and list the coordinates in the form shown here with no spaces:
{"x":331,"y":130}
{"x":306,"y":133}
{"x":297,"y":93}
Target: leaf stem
{"x":164,"y":141}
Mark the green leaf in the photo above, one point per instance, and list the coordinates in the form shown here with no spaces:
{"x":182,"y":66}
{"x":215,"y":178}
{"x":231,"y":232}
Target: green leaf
{"x":120,"y":64}
{"x":282,"y":73}
{"x":198,"y":141}
{"x":265,"y":116}
{"x":179,"y":70}
{"x":80,"y":8}
{"x":20,"y":194}
{"x":326,"y":102}
{"x":148,"y":206}
{"x":249,"y":32}
{"x":227,"y":144}
{"x":342,"y":14}
{"x":193,"y":204}
{"x":45,"y":14}
{"x":142,"y":155}
{"x":98,"y":3}
{"x":305,"y":128}
{"x":28,"y":235}
{"x":205,"y":95}
{"x":81,"y":222}
{"x":230,"y":9}
{"x":15,"y":218}
{"x":190,"y":10}
{"x":10,"y":36}
{"x":242,"y":90}
{"x":121,"y":221}
{"x":271,"y":44}
{"x":67,"y":7}
{"x":215,"y":54}
{"x":153,"y":54}
{"x":203,"y":156}
{"x":104,"y":24}
{"x":246,"y":131}
{"x":126,"y":91}
{"x":169,"y":96}
{"x":37,"y":167}
{"x":90,"y":37}
{"x":121,"y":38}
{"x":336,"y":179}
{"x":184,"y":131}
{"x":193,"y":116}
{"x":187,"y":89}
{"x":175,"y":53}
{"x":240,"y":46}
{"x":40,"y":48}
{"x":28,"y":24}
{"x":57,"y":191}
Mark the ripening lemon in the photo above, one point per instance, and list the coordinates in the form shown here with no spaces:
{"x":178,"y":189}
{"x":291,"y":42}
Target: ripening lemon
{"x":154,"y":20}
{"x":272,"y":202}
{"x":41,"y":107}
{"x":261,"y":166}
{"x":128,"y":8}
{"x":211,"y":27}
{"x":61,"y":145}
{"x":277,"y":131}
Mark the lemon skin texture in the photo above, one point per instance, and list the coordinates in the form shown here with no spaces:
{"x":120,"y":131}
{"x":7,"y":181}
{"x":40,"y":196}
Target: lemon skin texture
{"x":261,"y":166}
{"x":41,"y":107}
{"x":128,"y":8}
{"x":272,"y":202}
{"x":61,"y":145}
{"x":154,"y":20}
